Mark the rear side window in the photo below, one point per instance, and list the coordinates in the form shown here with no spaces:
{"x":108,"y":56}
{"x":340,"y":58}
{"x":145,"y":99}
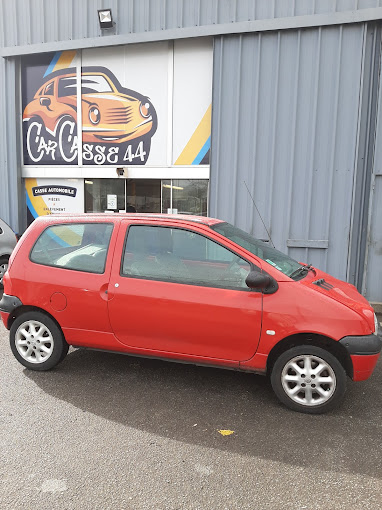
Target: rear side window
{"x":76,"y":246}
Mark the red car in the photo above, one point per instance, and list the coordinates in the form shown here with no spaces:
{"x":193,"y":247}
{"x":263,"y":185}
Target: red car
{"x":188,"y":289}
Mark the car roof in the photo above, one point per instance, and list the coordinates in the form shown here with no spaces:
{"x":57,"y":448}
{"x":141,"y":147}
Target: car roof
{"x":205,"y":220}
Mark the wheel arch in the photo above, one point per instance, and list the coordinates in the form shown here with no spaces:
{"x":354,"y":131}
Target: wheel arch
{"x":321,"y":341}
{"x":25,"y":309}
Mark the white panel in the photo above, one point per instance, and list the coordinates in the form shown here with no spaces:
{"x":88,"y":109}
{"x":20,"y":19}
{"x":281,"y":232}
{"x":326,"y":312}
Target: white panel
{"x":142,"y":68}
{"x":54,"y":196}
{"x":192,"y":89}
{"x":146,"y":70}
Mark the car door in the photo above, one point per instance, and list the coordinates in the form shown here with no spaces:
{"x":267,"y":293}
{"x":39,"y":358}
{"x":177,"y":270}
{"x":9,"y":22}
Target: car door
{"x":69,"y":271}
{"x":174,"y":289}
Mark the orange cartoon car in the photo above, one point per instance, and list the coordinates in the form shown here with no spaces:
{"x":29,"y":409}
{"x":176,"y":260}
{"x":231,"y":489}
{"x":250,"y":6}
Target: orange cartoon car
{"x":111,"y":114}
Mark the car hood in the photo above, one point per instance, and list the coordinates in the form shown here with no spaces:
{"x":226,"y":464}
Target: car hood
{"x":341,"y":292}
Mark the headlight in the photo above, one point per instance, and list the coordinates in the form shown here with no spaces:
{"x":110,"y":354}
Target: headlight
{"x":376,"y":325}
{"x":94,"y":115}
{"x":145,"y":110}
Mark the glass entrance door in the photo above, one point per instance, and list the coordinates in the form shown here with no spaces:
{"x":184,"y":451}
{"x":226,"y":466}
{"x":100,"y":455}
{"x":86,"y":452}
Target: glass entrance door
{"x":185,"y":196}
{"x":171,"y":196}
{"x":144,"y":195}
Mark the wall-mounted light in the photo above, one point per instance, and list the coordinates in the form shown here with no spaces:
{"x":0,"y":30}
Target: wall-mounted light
{"x":105,"y":18}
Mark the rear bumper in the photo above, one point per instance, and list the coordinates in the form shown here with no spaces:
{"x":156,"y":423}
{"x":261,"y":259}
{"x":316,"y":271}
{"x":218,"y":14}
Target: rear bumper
{"x":9,"y":303}
{"x":4,"y":317}
{"x":364,"y":353}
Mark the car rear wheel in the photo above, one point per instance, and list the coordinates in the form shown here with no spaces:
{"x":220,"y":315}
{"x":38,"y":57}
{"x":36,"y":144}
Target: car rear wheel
{"x":37,"y":342}
{"x":309,"y":379}
{"x":3,"y":269}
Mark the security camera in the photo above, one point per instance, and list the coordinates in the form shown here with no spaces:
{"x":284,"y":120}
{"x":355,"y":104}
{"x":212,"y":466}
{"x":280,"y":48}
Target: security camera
{"x":121,"y":172}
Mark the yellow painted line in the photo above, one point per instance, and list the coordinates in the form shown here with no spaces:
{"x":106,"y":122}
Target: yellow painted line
{"x":226,"y":432}
{"x":197,"y":140}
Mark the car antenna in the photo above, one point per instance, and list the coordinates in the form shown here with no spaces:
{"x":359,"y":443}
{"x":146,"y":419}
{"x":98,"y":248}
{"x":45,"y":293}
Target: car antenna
{"x":258,"y":212}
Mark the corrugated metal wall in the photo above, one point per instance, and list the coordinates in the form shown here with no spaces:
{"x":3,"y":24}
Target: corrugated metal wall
{"x":25,"y":22}
{"x":10,"y":181}
{"x":372,"y":285}
{"x":287,"y":108}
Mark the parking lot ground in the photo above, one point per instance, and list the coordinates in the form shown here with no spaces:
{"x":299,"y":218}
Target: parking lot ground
{"x":107,"y":431}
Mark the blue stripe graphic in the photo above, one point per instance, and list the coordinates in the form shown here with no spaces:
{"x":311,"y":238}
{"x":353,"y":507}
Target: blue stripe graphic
{"x":203,"y":152}
{"x":53,"y":63}
{"x":31,"y":208}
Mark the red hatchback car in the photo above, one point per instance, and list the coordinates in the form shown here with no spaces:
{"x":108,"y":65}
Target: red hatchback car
{"x":188,"y":289}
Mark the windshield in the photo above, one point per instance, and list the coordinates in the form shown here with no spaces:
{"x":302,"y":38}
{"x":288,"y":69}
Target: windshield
{"x":262,"y":250}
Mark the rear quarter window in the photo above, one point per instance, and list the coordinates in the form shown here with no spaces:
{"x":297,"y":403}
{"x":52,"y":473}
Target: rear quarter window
{"x":75,"y":246}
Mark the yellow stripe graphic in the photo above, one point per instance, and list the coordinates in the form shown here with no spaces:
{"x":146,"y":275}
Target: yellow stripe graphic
{"x":38,"y":203}
{"x":65,"y":60}
{"x":197,"y":140}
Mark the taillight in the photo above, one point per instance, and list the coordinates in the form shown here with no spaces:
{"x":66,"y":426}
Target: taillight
{"x":7,"y":284}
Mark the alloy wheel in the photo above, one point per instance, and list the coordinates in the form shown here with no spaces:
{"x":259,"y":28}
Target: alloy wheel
{"x":34,"y":342}
{"x":308,"y":380}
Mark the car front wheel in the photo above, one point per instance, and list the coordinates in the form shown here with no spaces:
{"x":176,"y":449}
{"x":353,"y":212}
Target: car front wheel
{"x":309,"y":379}
{"x":37,"y":342}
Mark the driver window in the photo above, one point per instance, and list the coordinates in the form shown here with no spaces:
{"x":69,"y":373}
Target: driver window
{"x":182,"y":256}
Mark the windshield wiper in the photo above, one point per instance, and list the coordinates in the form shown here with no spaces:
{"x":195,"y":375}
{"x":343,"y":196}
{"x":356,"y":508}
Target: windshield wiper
{"x":303,"y":269}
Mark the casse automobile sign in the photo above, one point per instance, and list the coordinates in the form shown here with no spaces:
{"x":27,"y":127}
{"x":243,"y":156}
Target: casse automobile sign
{"x":54,"y":190}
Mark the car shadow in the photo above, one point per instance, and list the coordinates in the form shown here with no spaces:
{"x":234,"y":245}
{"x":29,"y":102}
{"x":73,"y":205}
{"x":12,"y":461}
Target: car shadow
{"x":191,"y":404}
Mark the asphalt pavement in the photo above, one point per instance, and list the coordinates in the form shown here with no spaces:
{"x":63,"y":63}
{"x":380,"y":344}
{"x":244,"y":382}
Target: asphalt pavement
{"x":107,"y":431}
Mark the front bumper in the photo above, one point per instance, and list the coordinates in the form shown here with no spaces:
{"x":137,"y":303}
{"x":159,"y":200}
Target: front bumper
{"x":362,"y":345}
{"x":364,"y":353}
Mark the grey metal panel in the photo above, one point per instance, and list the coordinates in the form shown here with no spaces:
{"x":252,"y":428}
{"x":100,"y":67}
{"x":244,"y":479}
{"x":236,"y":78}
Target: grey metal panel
{"x":285,"y":117}
{"x":41,"y":21}
{"x":309,"y":243}
{"x":10,"y":183}
{"x":372,"y":285}
{"x":373,"y":275}
{"x":365,"y":154}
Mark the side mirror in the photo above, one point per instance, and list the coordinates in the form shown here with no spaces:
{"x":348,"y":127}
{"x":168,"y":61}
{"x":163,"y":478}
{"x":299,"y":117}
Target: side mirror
{"x":45,"y":101}
{"x":256,"y":280}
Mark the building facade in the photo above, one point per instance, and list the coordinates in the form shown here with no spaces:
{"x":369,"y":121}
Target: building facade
{"x":264,"y":113}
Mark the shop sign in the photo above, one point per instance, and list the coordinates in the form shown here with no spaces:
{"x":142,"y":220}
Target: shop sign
{"x":54,"y":196}
{"x":128,"y":114}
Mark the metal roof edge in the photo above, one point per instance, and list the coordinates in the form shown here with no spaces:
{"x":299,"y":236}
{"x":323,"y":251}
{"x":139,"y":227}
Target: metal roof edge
{"x":287,"y":23}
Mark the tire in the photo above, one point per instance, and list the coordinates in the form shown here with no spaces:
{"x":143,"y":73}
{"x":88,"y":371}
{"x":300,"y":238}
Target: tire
{"x":309,"y":379}
{"x":3,"y":269}
{"x":37,"y":342}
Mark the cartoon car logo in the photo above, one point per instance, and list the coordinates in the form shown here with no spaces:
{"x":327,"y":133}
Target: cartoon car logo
{"x":111,"y":114}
